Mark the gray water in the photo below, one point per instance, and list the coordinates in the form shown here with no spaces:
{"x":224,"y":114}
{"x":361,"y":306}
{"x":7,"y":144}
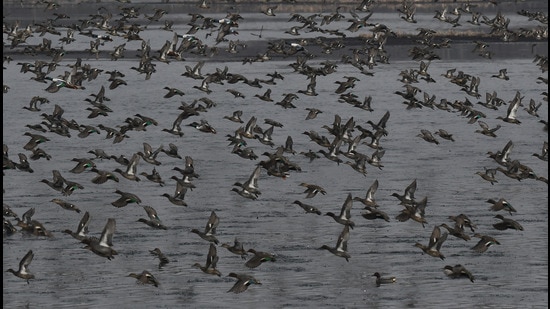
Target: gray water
{"x":511,"y":275}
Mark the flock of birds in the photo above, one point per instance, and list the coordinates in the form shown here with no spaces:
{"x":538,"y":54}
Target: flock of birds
{"x":341,"y":143}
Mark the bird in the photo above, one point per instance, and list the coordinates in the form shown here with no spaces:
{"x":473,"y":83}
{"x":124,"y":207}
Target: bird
{"x":237,"y":248}
{"x":145,"y":277}
{"x":341,"y":248}
{"x":125,"y":199}
{"x":427,"y":136}
{"x":172,"y":92}
{"x":23,"y":271}
{"x":511,"y":112}
{"x":211,"y":261}
{"x":445,"y":135}
{"x":131,"y":170}
{"x":369,"y":200}
{"x":163,"y":260}
{"x":372,"y":213}
{"x":486,"y":130}
{"x":154,"y":219}
{"x":501,"y":204}
{"x":507,"y":223}
{"x":502,"y":74}
{"x":408,"y":196}
{"x":434,"y":245}
{"x":82,"y":165}
{"x":243,"y":282}
{"x":209,"y":233}
{"x":82,"y":229}
{"x":308,"y":208}
{"x":383,"y":280}
{"x":484,"y":243}
{"x":66,"y":205}
{"x":103,"y":176}
{"x":251,"y":184}
{"x":104,"y":245}
{"x":458,"y":271}
{"x":457,"y":230}
{"x":345,"y":213}
{"x":489,"y":175}
{"x":259,"y":258}
{"x":312,"y":189}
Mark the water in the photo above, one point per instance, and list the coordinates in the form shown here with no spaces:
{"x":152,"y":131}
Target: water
{"x":509,"y":275}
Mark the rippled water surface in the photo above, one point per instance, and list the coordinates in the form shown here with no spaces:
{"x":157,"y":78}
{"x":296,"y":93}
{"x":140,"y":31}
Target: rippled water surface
{"x":510,"y":275}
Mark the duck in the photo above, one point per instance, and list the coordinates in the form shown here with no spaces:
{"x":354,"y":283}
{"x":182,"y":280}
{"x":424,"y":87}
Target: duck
{"x":428,"y":137}
{"x":369,"y":199}
{"x":486,"y":130}
{"x":501,"y":204}
{"x":312,"y":189}
{"x":235,"y":116}
{"x":211,"y":261}
{"x":507,"y":223}
{"x":163,"y":260}
{"x":414,"y":211}
{"x":458,"y":271}
{"x":259,"y":258}
{"x":373,"y":213}
{"x":251,"y":184}
{"x":154,"y":177}
{"x":462,"y":221}
{"x":383,"y":280}
{"x":243,"y":282}
{"x":125,"y":199}
{"x":484,"y":243}
{"x":209,"y":233}
{"x":445,"y":135}
{"x":237,"y":248}
{"x":145,"y":277}
{"x":82,"y":230}
{"x":457,"y":230}
{"x":131,"y":170}
{"x":82,"y":165}
{"x":66,"y":205}
{"x":104,"y":245}
{"x":154,"y":220}
{"x":345,"y":213}
{"x":23,"y":271}
{"x":341,"y":245}
{"x":172,"y":151}
{"x":408,"y":196}
{"x":511,"y":113}
{"x":308,"y":208}
{"x":434,"y":245}
{"x":489,"y":175}
{"x":103,"y":176}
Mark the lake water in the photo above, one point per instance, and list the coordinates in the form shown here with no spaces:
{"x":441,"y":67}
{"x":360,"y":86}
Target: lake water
{"x":510,"y":275}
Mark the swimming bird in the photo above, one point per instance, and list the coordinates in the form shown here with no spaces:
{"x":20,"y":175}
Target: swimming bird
{"x":484,"y":243}
{"x":209,"y":233}
{"x":104,"y":245}
{"x":243,"y":282}
{"x":308,"y":208}
{"x":458,"y":271}
{"x":345,"y":213}
{"x":341,"y":248}
{"x":211,"y":261}
{"x":125,"y":199}
{"x":154,"y":219}
{"x":259,"y":258}
{"x":507,"y":223}
{"x":383,"y":280}
{"x":82,"y":230}
{"x":237,"y":248}
{"x":145,"y":277}
{"x":23,"y":271}
{"x":434,"y":245}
